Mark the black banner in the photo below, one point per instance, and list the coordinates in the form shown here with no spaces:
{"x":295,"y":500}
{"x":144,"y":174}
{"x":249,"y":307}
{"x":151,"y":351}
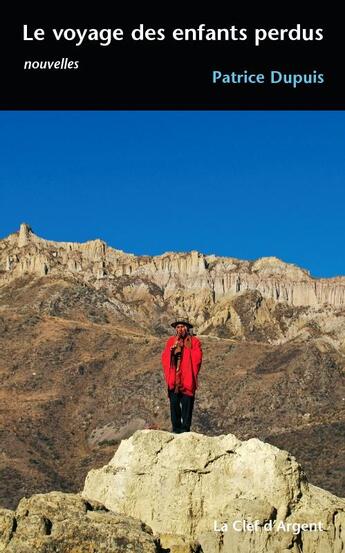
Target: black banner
{"x":218,"y":65}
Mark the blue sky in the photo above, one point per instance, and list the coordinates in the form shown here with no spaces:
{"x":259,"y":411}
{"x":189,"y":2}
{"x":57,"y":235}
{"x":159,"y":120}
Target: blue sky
{"x":241,"y":184}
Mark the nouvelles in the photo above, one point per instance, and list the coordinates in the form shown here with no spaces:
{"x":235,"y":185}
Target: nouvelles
{"x":64,"y":63}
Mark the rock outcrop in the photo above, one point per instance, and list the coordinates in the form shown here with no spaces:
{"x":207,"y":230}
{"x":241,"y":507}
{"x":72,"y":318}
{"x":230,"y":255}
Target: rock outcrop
{"x":186,"y":493}
{"x":65,"y":523}
{"x":226,"y":495}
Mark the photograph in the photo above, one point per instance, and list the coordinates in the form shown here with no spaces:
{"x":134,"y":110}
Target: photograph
{"x":172,"y":331}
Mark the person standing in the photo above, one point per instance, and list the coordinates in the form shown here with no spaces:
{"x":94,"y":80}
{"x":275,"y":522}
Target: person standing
{"x":181,"y":361}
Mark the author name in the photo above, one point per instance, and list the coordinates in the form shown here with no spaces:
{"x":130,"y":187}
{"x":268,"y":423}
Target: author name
{"x":273,"y":77}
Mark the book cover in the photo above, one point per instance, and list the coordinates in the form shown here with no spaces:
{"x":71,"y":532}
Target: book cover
{"x":172,"y":286}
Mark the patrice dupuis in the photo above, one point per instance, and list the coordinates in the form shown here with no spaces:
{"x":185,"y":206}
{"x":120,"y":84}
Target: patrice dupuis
{"x":273,"y":77}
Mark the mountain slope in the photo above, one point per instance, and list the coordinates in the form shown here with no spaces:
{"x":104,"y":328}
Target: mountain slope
{"x":81,"y":331}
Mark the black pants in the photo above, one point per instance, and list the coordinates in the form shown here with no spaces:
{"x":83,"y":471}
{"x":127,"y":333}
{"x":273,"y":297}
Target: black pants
{"x":181,"y":409}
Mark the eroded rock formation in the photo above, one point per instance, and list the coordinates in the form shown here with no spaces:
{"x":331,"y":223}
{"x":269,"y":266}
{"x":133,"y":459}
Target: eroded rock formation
{"x":150,"y":289}
{"x":23,"y":252}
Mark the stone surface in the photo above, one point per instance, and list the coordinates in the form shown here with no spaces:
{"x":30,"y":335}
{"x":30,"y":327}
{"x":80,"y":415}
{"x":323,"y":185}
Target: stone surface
{"x":65,"y":523}
{"x":190,"y":485}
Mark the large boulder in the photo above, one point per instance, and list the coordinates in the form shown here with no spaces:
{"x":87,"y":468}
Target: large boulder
{"x":65,"y":523}
{"x":224,"y":494}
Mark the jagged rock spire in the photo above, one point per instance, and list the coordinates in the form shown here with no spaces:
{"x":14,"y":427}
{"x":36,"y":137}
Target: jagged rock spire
{"x":24,"y":234}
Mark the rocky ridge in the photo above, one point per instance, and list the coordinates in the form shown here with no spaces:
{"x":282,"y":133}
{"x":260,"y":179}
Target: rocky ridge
{"x":281,"y":300}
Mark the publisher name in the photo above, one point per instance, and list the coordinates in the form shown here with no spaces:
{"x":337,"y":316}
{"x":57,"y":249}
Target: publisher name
{"x":274,"y":77}
{"x":269,"y":526}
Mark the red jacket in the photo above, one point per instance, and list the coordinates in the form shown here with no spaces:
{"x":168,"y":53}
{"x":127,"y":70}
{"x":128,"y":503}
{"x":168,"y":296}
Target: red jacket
{"x":189,"y":366}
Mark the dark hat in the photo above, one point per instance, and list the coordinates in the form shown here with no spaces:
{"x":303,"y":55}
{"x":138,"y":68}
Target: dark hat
{"x":186,"y":323}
